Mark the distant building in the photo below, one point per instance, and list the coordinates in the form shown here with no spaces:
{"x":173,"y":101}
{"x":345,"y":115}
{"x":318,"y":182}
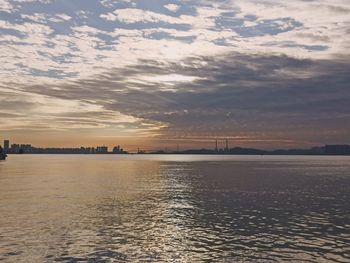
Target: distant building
{"x":102,"y":149}
{"x":226,"y":148}
{"x":139,"y":151}
{"x":85,"y":150}
{"x":118,"y":149}
{"x":337,"y":149}
{"x":88,"y":150}
{"x":14,"y":148}
{"x":6,"y":145}
{"x":25,"y":148}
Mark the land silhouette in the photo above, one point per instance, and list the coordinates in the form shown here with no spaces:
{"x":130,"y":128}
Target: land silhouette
{"x":319,"y":150}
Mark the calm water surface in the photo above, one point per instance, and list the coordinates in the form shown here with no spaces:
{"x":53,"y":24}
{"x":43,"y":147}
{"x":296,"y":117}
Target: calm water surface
{"x":72,"y":208}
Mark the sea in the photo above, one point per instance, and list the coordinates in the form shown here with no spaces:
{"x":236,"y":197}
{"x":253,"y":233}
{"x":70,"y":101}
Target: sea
{"x":174,"y":208}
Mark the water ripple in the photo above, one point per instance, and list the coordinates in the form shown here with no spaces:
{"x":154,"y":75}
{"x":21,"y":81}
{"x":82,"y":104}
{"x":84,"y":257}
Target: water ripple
{"x":159,"y":211}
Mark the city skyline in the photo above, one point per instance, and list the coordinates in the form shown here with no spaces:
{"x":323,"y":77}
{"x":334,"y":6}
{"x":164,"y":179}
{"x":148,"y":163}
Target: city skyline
{"x":14,"y":148}
{"x":265,"y":74}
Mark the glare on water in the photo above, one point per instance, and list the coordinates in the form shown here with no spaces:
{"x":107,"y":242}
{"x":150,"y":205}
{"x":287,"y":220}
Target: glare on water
{"x":168,"y":208}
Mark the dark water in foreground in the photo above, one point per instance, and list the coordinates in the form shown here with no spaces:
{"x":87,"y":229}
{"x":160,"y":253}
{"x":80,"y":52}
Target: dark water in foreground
{"x":174,"y":209}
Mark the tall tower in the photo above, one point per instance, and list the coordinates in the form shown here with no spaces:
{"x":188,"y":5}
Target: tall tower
{"x":226,"y":145}
{"x":216,"y":145}
{"x":6,"y":145}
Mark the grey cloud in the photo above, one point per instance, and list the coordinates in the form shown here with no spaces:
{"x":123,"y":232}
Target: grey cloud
{"x":265,"y":27}
{"x":234,"y":94}
{"x":338,"y":9}
{"x":10,"y":115}
{"x":314,"y":37}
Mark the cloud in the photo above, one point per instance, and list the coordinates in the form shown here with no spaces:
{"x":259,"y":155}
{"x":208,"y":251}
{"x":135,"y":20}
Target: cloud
{"x":5,"y":6}
{"x":172,"y":7}
{"x":137,"y":31}
{"x":192,"y":68}
{"x":43,"y":18}
{"x":134,"y":15}
{"x":35,"y":112}
{"x":257,"y":96}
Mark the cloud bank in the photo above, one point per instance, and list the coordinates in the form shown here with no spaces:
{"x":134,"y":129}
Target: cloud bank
{"x":258,"y":70}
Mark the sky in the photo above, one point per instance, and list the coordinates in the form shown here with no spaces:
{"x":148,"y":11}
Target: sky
{"x":157,"y":73}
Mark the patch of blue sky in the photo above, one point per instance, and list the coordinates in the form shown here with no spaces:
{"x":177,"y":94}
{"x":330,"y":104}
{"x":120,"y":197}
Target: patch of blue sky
{"x":159,"y":6}
{"x":108,"y":40}
{"x":10,"y":17}
{"x":60,"y":28}
{"x":12,"y":32}
{"x":250,"y":17}
{"x":12,"y":42}
{"x":88,"y":13}
{"x":223,"y":42}
{"x":52,"y":73}
{"x":61,"y":59}
{"x":165,"y":35}
{"x":140,"y":25}
{"x":68,"y":7}
{"x":264,"y":27}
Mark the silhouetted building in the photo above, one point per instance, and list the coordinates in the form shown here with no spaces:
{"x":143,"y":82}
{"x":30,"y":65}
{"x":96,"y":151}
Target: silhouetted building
{"x":88,"y":150}
{"x":139,"y":151}
{"x":118,"y":149}
{"x":6,"y":145}
{"x":102,"y":149}
{"x":25,"y":148}
{"x":338,"y":149}
{"x":85,"y":150}
{"x":14,"y":148}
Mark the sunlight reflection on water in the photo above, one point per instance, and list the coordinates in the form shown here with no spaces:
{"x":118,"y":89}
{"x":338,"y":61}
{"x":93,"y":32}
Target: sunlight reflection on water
{"x":174,"y":209}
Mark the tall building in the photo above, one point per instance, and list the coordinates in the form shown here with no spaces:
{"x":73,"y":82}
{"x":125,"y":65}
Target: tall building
{"x":337,"y":149}
{"x":6,"y":145}
{"x":102,"y":149}
{"x":15,"y":148}
{"x":118,"y":149}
